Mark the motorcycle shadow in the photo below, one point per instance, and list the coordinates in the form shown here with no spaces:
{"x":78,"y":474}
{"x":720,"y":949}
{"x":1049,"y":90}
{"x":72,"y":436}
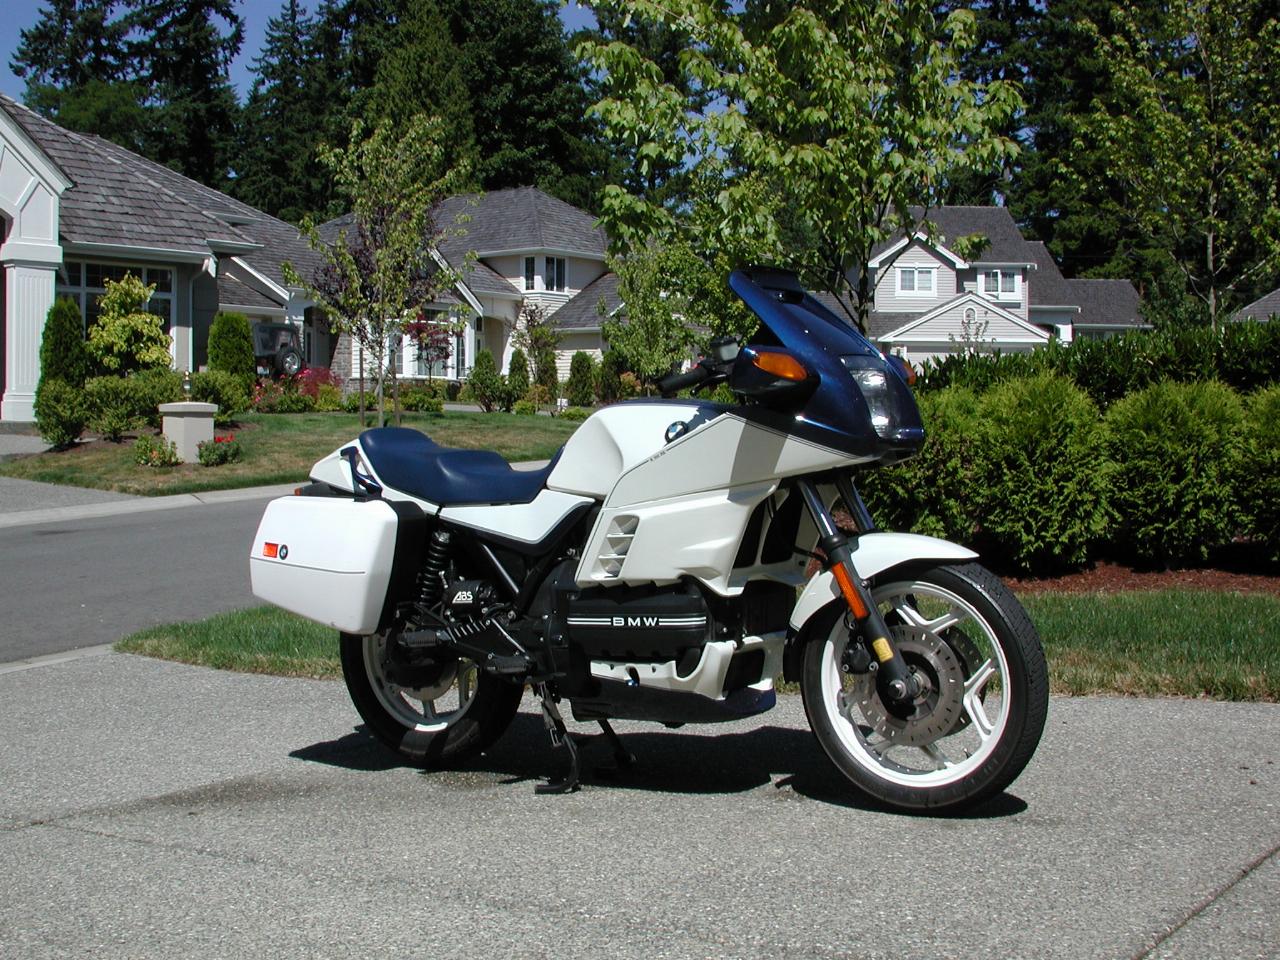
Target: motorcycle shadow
{"x":667,"y":761}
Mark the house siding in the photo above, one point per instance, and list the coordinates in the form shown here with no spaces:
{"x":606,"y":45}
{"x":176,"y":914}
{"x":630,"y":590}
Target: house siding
{"x":968,"y":282}
{"x":947,"y":333}
{"x":888,"y":300}
{"x":589,"y":343}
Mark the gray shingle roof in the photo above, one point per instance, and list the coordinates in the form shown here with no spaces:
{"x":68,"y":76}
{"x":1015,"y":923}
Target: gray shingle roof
{"x":583,"y":311}
{"x":1264,"y":308}
{"x":120,"y":198}
{"x":523,"y":218}
{"x":1048,"y":288}
{"x":1110,"y":303}
{"x":1006,"y":243}
{"x":231,"y":292}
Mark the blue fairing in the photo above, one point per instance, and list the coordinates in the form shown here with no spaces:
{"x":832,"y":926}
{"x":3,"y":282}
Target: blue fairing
{"x":836,"y":414}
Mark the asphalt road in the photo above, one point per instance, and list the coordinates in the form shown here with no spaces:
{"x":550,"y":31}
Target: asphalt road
{"x":156,"y":810}
{"x":79,"y":583}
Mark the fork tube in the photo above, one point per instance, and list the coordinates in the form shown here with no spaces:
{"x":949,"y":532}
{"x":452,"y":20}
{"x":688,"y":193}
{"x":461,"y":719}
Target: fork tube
{"x":862,"y":518}
{"x":894,"y":679}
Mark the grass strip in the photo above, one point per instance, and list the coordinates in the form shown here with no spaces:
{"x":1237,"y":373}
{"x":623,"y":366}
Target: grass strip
{"x":1223,"y":646}
{"x":280,"y":448}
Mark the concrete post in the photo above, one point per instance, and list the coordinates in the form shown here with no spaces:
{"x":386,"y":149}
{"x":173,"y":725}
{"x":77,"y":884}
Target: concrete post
{"x":188,"y":425}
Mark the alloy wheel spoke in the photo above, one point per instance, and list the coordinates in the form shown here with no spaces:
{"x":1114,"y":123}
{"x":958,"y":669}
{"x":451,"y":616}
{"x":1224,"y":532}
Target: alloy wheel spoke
{"x":934,"y":625}
{"x":973,"y":688}
{"x":934,"y":753}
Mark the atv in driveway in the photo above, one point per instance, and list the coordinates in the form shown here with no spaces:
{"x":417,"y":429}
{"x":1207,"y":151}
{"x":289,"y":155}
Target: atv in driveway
{"x":276,"y":349}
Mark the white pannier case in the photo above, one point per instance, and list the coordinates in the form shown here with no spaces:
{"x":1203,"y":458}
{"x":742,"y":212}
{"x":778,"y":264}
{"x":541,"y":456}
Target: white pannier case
{"x":327,"y":559}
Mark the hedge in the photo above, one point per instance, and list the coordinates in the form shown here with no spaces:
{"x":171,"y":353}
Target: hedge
{"x":1029,"y":472}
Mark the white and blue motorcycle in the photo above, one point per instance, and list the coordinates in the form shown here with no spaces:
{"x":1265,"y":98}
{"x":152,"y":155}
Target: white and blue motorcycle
{"x":660,"y":568}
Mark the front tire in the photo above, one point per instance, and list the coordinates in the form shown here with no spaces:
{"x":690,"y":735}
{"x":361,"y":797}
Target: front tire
{"x":984,"y":700}
{"x":456,"y":713}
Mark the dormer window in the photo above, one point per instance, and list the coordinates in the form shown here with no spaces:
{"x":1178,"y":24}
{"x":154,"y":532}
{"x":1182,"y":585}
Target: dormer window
{"x":553,"y":279}
{"x":915,"y":281}
{"x":1001,"y":284}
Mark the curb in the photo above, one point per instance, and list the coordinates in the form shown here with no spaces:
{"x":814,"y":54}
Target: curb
{"x":113,"y":508}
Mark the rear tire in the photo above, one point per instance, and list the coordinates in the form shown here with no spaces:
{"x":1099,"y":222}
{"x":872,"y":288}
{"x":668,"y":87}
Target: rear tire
{"x":460,"y":714}
{"x":985,"y":699}
{"x":288,"y":362}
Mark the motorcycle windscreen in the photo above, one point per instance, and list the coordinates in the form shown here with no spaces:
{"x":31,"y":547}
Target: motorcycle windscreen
{"x":862,"y":406}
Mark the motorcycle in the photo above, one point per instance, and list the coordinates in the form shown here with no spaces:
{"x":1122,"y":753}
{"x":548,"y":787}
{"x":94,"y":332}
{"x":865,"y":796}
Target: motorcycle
{"x":672,"y":560}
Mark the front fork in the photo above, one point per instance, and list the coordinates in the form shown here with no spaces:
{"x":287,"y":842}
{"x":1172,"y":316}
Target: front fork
{"x":895,"y":682}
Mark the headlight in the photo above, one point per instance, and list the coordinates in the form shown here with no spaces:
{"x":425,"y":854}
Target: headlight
{"x":872,"y":379}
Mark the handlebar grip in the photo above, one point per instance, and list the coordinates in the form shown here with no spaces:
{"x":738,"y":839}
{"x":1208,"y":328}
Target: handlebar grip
{"x":679,"y":381}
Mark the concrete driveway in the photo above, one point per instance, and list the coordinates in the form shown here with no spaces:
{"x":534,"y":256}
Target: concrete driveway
{"x":158,"y":810}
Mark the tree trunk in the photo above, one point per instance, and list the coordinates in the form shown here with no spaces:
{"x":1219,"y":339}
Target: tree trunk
{"x":363,"y":421}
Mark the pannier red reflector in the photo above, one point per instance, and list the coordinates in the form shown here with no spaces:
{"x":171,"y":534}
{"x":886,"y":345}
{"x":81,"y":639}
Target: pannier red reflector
{"x":271,"y":550}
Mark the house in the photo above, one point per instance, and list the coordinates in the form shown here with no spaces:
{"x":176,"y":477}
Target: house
{"x":1264,"y":308}
{"x":1008,"y":296}
{"x":515,"y":248}
{"x":77,"y":210}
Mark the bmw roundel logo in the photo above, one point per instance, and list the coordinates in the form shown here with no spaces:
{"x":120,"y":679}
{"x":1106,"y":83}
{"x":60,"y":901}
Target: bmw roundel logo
{"x":284,"y":552}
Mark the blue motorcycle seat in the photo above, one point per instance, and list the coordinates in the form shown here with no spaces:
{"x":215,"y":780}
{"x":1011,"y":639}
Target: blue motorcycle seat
{"x":415,"y":464}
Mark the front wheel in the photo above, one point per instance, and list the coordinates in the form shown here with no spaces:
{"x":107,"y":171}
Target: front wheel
{"x":431,"y":713}
{"x":984,"y":690}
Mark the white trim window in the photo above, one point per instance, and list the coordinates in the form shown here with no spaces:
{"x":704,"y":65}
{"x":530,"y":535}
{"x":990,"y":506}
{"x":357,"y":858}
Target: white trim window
{"x":530,"y":264}
{"x":85,"y":282}
{"x":916,"y":281}
{"x":553,"y":278}
{"x":1001,"y":284}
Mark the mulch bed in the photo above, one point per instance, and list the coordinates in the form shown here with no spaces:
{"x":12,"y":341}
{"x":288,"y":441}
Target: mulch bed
{"x":1106,"y":577}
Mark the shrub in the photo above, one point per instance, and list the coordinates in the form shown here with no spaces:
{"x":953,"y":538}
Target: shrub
{"x":628,"y":386}
{"x":575,"y":414}
{"x":1258,"y":485}
{"x":155,"y":451}
{"x":421,"y":401}
{"x":934,"y":492}
{"x":608,"y":388}
{"x":526,"y":408}
{"x":125,"y":337}
{"x":280,"y":396}
{"x":1040,"y":478}
{"x":488,"y":387}
{"x":1176,"y":449}
{"x":150,"y":388}
{"x":545,"y":372}
{"x":219,"y":450}
{"x":328,"y":398}
{"x":453,"y":390}
{"x":231,"y":347}
{"x":310,"y":380}
{"x":352,"y":403}
{"x":225,"y":389}
{"x":64,"y":355}
{"x":518,"y":374}
{"x":580,"y":390}
{"x":113,"y":405}
{"x":61,"y":412}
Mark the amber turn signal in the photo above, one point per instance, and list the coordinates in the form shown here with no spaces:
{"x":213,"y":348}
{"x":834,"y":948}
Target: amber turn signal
{"x":780,"y":365}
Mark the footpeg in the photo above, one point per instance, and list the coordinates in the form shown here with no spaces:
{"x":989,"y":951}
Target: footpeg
{"x":559,"y":737}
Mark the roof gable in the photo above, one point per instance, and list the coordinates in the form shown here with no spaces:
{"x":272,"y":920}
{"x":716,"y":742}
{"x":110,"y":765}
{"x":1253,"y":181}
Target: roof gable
{"x":915,"y":327}
{"x":518,"y":220}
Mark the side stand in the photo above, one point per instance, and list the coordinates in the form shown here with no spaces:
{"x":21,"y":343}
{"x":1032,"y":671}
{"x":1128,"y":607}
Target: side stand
{"x":559,"y":737}
{"x":622,"y":758}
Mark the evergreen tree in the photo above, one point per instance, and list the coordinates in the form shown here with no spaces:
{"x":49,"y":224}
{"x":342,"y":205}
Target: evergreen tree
{"x":183,"y":50}
{"x":421,"y":73}
{"x":64,"y":354}
{"x":528,"y":102}
{"x":277,"y":169}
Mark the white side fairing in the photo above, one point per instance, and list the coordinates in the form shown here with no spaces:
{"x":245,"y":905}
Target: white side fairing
{"x":874,"y":554}
{"x":681,"y":509}
{"x":526,"y":522}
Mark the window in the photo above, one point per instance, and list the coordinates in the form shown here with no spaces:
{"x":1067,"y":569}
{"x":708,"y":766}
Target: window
{"x":553,"y":279}
{"x":86,"y":282}
{"x":915,"y":281}
{"x":528,"y":272}
{"x":1000,"y":283}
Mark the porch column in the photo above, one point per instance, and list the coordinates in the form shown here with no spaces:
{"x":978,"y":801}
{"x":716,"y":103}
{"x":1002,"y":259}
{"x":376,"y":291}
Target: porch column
{"x":29,"y":288}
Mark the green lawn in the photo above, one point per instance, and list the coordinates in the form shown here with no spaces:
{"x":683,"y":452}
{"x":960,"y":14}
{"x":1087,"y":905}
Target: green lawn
{"x":1158,"y":643}
{"x":280,"y":448}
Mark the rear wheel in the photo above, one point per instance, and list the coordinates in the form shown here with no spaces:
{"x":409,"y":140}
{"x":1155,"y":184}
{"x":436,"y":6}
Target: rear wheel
{"x":288,"y":362}
{"x":433,"y":713}
{"x":983,"y":700}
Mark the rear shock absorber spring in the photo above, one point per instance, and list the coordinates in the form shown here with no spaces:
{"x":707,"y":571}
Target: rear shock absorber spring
{"x":431,"y":580}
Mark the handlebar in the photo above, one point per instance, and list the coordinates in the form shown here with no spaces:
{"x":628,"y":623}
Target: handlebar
{"x":679,"y":381}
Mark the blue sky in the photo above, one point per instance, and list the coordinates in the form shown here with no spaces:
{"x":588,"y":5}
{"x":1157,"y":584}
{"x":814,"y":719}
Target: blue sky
{"x":22,"y":14}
